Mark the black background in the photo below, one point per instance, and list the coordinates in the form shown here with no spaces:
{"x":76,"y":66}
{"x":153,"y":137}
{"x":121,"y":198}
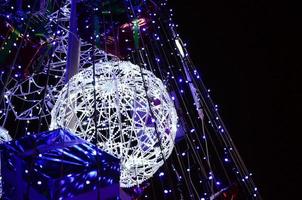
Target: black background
{"x":249,"y":53}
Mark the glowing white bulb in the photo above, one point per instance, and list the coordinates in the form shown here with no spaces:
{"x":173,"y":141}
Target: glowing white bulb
{"x":179,"y":47}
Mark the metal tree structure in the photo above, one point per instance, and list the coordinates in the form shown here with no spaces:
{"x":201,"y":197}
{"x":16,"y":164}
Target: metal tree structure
{"x":31,"y":91}
{"x":131,"y":88}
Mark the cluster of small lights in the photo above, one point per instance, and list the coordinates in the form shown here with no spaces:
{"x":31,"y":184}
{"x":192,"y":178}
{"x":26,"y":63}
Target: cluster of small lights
{"x":215,"y":121}
{"x":30,"y":91}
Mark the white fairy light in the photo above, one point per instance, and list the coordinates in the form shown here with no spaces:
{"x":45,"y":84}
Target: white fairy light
{"x":130,"y":108}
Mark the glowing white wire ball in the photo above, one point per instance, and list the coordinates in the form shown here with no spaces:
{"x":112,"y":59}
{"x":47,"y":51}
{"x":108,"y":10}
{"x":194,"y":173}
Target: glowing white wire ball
{"x":4,"y":136}
{"x":127,"y":127}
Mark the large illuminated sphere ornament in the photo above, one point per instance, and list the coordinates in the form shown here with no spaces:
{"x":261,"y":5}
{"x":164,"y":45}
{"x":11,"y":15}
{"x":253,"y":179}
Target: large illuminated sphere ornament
{"x":136,"y":118}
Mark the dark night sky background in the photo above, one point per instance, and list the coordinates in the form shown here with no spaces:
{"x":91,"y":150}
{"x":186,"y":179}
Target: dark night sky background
{"x":250,"y":55}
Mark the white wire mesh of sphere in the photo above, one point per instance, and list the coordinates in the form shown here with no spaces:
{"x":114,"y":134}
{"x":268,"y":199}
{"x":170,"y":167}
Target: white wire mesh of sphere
{"x":136,"y":118}
{"x":4,"y":137}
